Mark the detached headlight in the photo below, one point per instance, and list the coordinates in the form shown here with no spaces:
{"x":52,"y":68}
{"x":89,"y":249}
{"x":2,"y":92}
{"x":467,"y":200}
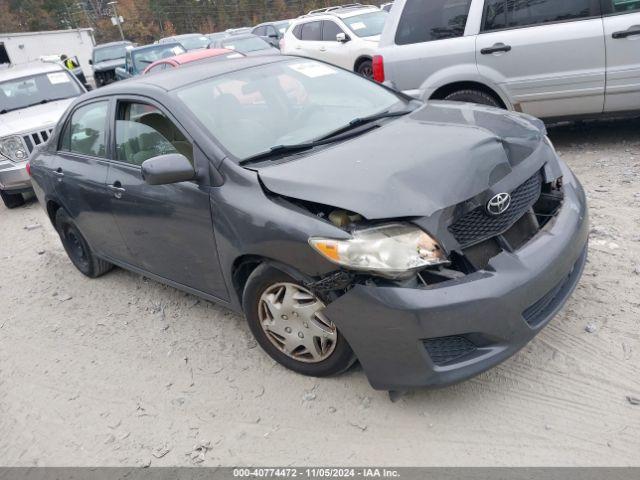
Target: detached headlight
{"x":14,"y":149}
{"x":390,"y":250}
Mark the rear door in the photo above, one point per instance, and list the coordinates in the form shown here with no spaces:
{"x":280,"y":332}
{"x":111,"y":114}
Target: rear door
{"x":622,"y":36}
{"x":168,"y":229}
{"x":429,"y":38}
{"x":310,"y":40}
{"x":548,"y":55}
{"x":80,"y":173}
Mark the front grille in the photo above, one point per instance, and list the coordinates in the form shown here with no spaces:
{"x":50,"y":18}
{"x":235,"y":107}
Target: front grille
{"x":446,"y":350}
{"x":477,"y":226}
{"x":32,"y":140}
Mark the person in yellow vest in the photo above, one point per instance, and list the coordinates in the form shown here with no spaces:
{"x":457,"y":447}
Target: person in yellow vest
{"x":70,"y":63}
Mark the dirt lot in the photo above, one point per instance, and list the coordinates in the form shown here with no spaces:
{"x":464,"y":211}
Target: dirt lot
{"x":124,"y":371}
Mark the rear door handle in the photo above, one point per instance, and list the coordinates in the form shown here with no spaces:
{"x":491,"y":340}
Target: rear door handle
{"x":58,"y":173}
{"x":497,"y":48}
{"x":626,"y":33}
{"x":323,"y":49}
{"x":117,"y":189}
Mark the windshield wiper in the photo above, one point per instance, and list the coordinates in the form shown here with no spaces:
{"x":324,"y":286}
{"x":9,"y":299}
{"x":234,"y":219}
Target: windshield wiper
{"x":358,"y":122}
{"x":299,"y":147}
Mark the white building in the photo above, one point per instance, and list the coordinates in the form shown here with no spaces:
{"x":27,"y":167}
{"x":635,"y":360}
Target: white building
{"x":16,"y":48}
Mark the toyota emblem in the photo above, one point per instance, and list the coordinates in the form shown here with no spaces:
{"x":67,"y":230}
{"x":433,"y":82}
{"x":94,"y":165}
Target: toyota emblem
{"x":499,"y":204}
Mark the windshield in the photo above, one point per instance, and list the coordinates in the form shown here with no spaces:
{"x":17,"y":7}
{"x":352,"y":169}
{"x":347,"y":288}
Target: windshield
{"x":195,"y":42}
{"x":245,"y":45}
{"x":36,"y":89}
{"x":367,"y":24}
{"x":285,"y":103}
{"x":109,"y":53}
{"x":146,"y":57}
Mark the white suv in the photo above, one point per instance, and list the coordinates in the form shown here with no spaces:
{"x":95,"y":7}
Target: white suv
{"x":33,"y":97}
{"x":345,"y":36}
{"x":549,"y":58}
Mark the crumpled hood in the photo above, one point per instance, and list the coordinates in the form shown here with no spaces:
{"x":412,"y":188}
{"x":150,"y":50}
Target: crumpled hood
{"x":438,"y":156}
{"x":33,"y":118}
{"x":108,"y":65}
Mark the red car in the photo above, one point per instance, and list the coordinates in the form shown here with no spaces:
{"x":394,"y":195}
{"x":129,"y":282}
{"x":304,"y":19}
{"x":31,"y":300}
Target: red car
{"x":189,"y":57}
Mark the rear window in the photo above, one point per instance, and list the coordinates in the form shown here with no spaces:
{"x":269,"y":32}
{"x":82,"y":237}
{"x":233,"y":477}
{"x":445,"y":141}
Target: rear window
{"x":423,"y":21}
{"x":621,"y":6}
{"x":312,"y":31}
{"x":501,"y":14}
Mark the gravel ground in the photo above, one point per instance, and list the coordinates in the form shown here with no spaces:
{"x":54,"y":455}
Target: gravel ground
{"x":125,"y":371}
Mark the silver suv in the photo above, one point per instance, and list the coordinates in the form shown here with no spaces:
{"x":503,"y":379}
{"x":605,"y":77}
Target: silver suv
{"x":33,"y":97}
{"x":549,"y":58}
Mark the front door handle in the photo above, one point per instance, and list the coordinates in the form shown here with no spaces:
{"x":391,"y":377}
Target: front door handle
{"x":58,"y":173}
{"x":627,"y":33}
{"x":323,"y":49}
{"x":497,"y":48}
{"x":117,"y":189}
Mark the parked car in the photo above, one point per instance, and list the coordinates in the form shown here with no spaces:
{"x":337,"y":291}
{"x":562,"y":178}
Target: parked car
{"x":386,"y":6}
{"x":216,"y":36}
{"x":248,"y":44}
{"x":106,"y":58}
{"x":139,"y":58}
{"x":190,"y":41}
{"x":237,"y":31}
{"x":552,"y":60}
{"x":33,"y":97}
{"x":272,"y":32}
{"x":345,"y":36}
{"x":430,"y":241}
{"x":214,"y":54}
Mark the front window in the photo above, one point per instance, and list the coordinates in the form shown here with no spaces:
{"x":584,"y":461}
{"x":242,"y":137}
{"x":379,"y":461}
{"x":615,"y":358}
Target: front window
{"x":37,"y":89}
{"x":193,"y":43}
{"x":144,"y":58}
{"x":245,"y":45}
{"x":367,"y":24}
{"x":286,"y":103}
{"x":109,"y":53}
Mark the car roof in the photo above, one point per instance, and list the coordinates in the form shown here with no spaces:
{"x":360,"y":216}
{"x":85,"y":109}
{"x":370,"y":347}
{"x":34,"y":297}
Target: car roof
{"x":175,"y":78}
{"x":156,"y":45}
{"x":344,"y":11}
{"x":240,"y":36}
{"x":197,"y":55}
{"x":26,"y":69}
{"x":113,"y":44}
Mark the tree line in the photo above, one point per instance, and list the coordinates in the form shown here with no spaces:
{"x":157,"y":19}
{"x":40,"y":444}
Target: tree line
{"x":147,"y":20}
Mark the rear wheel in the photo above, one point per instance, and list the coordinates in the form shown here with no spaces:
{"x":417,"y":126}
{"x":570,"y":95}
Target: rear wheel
{"x":78,"y":249}
{"x":12,"y":200}
{"x":365,"y":68}
{"x":473,"y":96}
{"x":288,"y":322}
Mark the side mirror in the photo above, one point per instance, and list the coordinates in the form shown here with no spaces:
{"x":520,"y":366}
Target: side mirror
{"x":167,"y":169}
{"x":342,"y":37}
{"x":90,"y":62}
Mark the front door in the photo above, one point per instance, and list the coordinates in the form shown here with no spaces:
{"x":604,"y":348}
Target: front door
{"x":622,"y":36}
{"x":80,"y":174}
{"x":168,"y":229}
{"x":548,"y":55}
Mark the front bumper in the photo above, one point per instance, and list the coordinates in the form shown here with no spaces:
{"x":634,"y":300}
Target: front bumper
{"x":483,"y":318}
{"x":14,"y":177}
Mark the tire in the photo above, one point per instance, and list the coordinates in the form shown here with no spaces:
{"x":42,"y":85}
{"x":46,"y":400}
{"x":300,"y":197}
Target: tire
{"x":365,"y":68}
{"x":12,"y":200}
{"x":474,"y":96}
{"x":336,"y":358}
{"x":78,"y":249}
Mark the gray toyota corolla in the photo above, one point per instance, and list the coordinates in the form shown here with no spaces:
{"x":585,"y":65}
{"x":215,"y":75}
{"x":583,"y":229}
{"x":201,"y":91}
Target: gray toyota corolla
{"x":346,"y":221}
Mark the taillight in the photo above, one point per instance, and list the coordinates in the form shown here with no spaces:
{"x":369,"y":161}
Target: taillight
{"x":28,"y":167}
{"x":378,"y":68}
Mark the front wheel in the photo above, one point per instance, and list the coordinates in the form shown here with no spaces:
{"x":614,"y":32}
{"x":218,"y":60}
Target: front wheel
{"x":12,"y":200}
{"x":473,"y":96}
{"x":78,"y":249}
{"x":289,"y":323}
